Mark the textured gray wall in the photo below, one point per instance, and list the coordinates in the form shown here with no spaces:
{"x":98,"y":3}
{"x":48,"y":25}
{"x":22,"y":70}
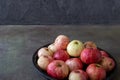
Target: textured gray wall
{"x":59,"y":11}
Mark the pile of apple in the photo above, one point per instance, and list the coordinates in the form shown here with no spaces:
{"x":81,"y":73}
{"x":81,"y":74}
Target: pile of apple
{"x":74,"y":60}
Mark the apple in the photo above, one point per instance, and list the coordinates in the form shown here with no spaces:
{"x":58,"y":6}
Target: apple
{"x":58,"y":69}
{"x":90,"y":55}
{"x":43,"y":61}
{"x":90,"y":44}
{"x":107,"y":63}
{"x":96,"y":72}
{"x":74,"y":64}
{"x":78,"y":75}
{"x":52,"y":47}
{"x":61,"y":42}
{"x":61,"y":55}
{"x":104,"y":53}
{"x":74,"y":48}
{"x":45,"y":51}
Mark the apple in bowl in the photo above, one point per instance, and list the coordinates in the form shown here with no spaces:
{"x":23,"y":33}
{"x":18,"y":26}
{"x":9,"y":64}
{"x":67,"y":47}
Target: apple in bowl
{"x":78,"y":75}
{"x":61,"y":55}
{"x":96,"y":72}
{"x":43,"y":61}
{"x":74,"y":64}
{"x":74,"y":48}
{"x":90,"y":55}
{"x":58,"y":69}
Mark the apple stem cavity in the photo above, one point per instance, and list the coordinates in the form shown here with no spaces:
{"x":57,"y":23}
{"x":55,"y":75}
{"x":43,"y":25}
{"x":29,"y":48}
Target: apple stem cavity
{"x":76,"y":42}
{"x":59,"y":65}
{"x":47,"y":49}
{"x":76,"y":71}
{"x":110,"y":64}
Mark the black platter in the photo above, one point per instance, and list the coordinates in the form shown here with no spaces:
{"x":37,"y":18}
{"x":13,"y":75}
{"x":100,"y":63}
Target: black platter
{"x":47,"y":77}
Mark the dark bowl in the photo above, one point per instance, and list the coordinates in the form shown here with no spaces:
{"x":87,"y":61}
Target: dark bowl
{"x":47,"y":77}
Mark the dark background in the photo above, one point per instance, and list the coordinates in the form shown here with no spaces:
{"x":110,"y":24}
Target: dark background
{"x":59,"y":11}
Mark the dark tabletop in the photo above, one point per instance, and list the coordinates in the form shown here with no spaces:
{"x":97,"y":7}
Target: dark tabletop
{"x":18,"y":43}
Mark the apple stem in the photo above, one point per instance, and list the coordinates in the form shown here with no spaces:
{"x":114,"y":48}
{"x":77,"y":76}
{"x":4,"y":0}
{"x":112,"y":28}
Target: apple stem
{"x":98,"y":65}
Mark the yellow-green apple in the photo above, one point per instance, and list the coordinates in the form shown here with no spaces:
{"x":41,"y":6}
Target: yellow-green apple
{"x":61,"y":55}
{"x":78,"y":75}
{"x":96,"y":72}
{"x":43,"y":61}
{"x":74,"y":64}
{"x":58,"y":69}
{"x":104,"y":53}
{"x":90,"y":44}
{"x":74,"y":48}
{"x":90,"y":55}
{"x":107,"y":63}
{"x":61,"y":42}
{"x":44,"y":51}
{"x":52,"y":47}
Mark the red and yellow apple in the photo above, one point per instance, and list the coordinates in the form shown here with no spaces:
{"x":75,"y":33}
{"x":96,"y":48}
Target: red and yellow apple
{"x":58,"y":69}
{"x":43,"y":61}
{"x":90,"y":44}
{"x":61,"y":42}
{"x":96,"y":72}
{"x":107,"y":63}
{"x":52,"y":47}
{"x":104,"y":53}
{"x":74,"y":64}
{"x":61,"y":55}
{"x":78,"y":75}
{"x":45,"y":51}
{"x":90,"y":55}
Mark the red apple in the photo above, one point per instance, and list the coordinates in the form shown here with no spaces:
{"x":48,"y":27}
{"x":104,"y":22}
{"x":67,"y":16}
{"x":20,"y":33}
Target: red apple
{"x":61,"y":55}
{"x":103,"y":53}
{"x":90,"y":44}
{"x":43,"y":61}
{"x":96,"y":72}
{"x":74,"y":64}
{"x":90,"y":55}
{"x":78,"y":75}
{"x":45,"y":51}
{"x":107,"y":63}
{"x":61,"y":42}
{"x":52,"y":47}
{"x":58,"y":69}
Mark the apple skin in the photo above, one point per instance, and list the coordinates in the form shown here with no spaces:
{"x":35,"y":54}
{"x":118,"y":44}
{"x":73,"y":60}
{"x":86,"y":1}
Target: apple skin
{"x":96,"y":72}
{"x":107,"y":63}
{"x":61,"y":42}
{"x":58,"y":69}
{"x":103,"y":53}
{"x":45,"y":51}
{"x":61,"y":55}
{"x":78,"y":75}
{"x":43,"y":61}
{"x":90,"y":55}
{"x":74,"y":48}
{"x":90,"y":44}
{"x":52,"y":47}
{"x":74,"y":64}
